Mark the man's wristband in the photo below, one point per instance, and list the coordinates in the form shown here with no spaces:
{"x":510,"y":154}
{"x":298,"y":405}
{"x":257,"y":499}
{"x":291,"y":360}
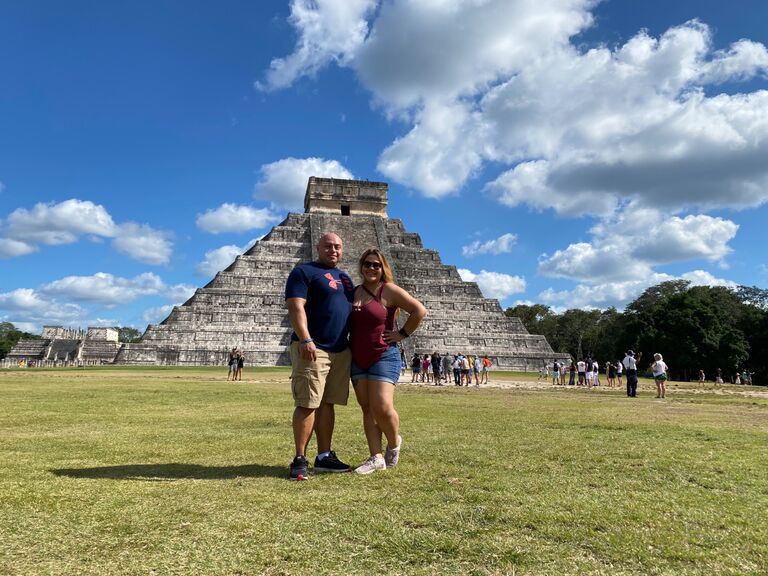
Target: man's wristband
{"x":403,"y":333}
{"x":306,"y":341}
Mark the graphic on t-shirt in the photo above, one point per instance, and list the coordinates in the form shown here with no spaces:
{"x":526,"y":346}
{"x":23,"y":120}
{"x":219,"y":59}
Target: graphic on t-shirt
{"x":332,"y":282}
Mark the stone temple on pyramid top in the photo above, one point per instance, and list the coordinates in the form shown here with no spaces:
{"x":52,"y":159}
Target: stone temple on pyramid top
{"x":244,"y":305}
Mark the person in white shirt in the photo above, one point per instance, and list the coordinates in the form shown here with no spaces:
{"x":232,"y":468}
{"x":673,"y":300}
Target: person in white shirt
{"x":630,"y":367}
{"x":659,"y":369}
{"x":581,"y":369}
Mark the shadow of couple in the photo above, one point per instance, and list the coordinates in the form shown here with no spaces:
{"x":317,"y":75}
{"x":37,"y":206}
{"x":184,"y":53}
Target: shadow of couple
{"x":173,"y":471}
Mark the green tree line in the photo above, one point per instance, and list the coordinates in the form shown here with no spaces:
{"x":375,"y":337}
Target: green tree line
{"x":694,"y":327}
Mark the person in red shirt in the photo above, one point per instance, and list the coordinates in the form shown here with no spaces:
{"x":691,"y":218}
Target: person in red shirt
{"x":376,"y":357}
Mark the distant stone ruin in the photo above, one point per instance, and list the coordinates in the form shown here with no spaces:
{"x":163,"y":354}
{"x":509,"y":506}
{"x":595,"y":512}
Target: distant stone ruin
{"x":244,"y":305}
{"x":61,"y":346}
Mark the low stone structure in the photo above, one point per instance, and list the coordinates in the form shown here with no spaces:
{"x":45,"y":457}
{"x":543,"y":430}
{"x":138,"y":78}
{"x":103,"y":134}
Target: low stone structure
{"x":244,"y":307}
{"x":66,"y":346}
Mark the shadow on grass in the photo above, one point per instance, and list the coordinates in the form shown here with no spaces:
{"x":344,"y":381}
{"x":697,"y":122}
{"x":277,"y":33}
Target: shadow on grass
{"x":173,"y":471}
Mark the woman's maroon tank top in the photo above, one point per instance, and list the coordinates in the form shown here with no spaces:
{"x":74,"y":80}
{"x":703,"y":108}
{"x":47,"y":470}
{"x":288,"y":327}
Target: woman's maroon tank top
{"x":367,"y":326}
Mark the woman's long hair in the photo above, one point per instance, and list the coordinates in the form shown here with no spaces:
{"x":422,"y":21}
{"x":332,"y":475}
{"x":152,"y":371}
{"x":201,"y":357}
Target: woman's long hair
{"x":386,"y":271}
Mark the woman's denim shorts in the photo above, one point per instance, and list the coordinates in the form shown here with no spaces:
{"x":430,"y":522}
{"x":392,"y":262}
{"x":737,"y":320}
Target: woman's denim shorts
{"x":387,"y":369}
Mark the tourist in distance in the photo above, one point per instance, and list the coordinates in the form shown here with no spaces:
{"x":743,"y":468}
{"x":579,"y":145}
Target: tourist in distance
{"x":590,"y":374}
{"x":240,"y":364}
{"x":659,"y":369}
{"x":630,"y":365}
{"x":596,"y":373}
{"x":581,"y":366}
{"x":415,"y":367}
{"x":232,"y":363}
{"x":619,"y":373}
{"x":556,"y":373}
{"x":319,"y":300}
{"x":375,"y":360}
{"x":436,"y":379}
{"x":457,"y":369}
{"x":476,"y":363}
{"x":486,"y":368}
{"x":702,"y":377}
{"x":447,"y":367}
{"x":610,"y":370}
{"x":572,"y":374}
{"x":426,"y":365}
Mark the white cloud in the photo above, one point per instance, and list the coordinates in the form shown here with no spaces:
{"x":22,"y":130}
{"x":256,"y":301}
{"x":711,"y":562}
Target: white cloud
{"x":10,"y":248}
{"x":235,"y":218}
{"x":284,"y":183}
{"x":25,"y":306}
{"x":217,"y":260}
{"x":494,"y":284}
{"x":628,"y":245}
{"x":156,"y":315}
{"x":109,"y":290}
{"x":143,"y":243}
{"x":104,"y":288}
{"x":445,"y":50}
{"x":501,"y":245}
{"x":580,"y":132}
{"x":329,"y":30}
{"x":66,"y":222}
{"x":60,"y":223}
{"x":619,"y":294}
{"x":439,"y":152}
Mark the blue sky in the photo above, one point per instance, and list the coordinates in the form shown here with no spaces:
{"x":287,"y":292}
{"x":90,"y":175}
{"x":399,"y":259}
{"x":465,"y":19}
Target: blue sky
{"x":568,"y":152}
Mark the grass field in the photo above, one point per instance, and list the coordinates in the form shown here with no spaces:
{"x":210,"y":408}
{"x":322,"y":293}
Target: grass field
{"x":176,"y":471}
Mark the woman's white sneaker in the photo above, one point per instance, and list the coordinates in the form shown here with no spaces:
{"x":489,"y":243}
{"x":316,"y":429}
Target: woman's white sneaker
{"x":371,"y":465}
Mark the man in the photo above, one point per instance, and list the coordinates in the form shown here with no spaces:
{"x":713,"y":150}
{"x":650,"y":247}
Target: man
{"x":630,"y":367}
{"x":319,"y":300}
{"x":447,"y":367}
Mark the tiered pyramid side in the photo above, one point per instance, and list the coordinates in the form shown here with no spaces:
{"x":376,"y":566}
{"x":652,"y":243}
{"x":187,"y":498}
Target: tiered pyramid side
{"x":243,"y":306}
{"x":460,"y":319}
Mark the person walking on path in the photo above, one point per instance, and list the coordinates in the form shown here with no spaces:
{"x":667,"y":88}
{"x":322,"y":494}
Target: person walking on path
{"x":375,"y":360}
{"x":630,"y":365}
{"x":318,"y":296}
{"x":659,"y":369}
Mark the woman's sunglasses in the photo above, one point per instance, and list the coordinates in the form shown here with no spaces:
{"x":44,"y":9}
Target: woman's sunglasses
{"x":372,"y":265}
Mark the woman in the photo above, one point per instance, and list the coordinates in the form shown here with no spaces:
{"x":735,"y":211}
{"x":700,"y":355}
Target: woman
{"x":375,"y":355}
{"x":572,"y":374}
{"x":240,"y":364}
{"x":659,"y":369}
{"x":426,"y":363}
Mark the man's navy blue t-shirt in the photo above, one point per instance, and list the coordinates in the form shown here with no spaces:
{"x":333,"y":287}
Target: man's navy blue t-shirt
{"x":328,"y":292}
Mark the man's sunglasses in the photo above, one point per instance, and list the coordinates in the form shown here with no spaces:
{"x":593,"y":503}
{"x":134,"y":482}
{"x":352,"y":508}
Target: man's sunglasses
{"x":372,"y":265}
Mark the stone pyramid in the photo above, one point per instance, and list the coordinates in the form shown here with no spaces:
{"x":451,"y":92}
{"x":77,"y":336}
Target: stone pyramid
{"x":243,"y":306}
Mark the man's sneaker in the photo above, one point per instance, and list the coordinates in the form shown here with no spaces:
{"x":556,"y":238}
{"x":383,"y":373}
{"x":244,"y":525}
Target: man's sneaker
{"x":392,"y":455}
{"x":331,"y":464}
{"x":371,"y":465}
{"x":298,"y":469}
